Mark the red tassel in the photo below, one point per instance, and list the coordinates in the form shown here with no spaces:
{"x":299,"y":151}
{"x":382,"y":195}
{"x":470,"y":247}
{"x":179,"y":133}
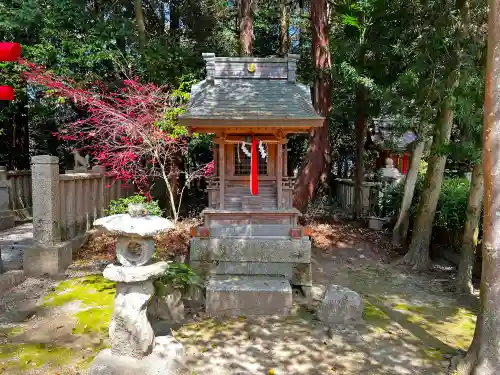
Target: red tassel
{"x":405,"y":163}
{"x":9,"y":51}
{"x":6,"y":93}
{"x":254,"y":172}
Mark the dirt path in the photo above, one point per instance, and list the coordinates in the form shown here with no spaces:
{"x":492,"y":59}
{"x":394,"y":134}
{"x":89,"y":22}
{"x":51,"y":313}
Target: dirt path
{"x":412,"y":325}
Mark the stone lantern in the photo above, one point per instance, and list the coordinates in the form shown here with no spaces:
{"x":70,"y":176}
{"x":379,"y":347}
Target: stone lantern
{"x":134,"y":348}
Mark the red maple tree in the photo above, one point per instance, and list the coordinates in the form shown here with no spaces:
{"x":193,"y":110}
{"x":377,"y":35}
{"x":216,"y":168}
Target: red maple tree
{"x":120,"y":131}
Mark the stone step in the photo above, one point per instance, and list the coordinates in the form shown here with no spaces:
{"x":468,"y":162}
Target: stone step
{"x":255,"y":249}
{"x":243,"y":268}
{"x":251,"y":230}
{"x":248,"y":296}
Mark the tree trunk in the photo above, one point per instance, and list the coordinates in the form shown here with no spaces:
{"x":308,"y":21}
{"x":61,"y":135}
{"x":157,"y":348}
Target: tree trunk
{"x":284,"y":26}
{"x":471,"y":228}
{"x":246,"y":27}
{"x":141,"y":25}
{"x":361,"y":98}
{"x":174,"y":20}
{"x":418,"y":253}
{"x":400,"y":231}
{"x":317,"y":161}
{"x":483,"y":356}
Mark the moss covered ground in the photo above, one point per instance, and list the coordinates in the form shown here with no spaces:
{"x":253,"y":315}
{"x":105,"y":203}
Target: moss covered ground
{"x":408,"y":328}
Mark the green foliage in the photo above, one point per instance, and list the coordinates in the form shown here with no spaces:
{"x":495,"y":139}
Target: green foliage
{"x":120,"y":206}
{"x":178,"y":276}
{"x":452,"y":205}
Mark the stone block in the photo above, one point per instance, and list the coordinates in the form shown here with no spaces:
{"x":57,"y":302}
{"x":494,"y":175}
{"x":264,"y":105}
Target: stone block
{"x":243,"y":268}
{"x":47,"y":259}
{"x":259,"y":249}
{"x":252,"y":230}
{"x":302,"y":274}
{"x":10,"y":279}
{"x":248,"y":295}
{"x":167,"y":358}
{"x":340,"y":305}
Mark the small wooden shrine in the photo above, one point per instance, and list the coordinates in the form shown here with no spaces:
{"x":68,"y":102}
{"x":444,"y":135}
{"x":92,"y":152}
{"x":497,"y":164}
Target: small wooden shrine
{"x":250,"y":245}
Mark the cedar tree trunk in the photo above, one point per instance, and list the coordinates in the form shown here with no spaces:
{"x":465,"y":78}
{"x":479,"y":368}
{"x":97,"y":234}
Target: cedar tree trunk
{"x":141,"y":25}
{"x":471,"y":229}
{"x":483,"y":356}
{"x":246,"y":27}
{"x":400,"y":231}
{"x":317,"y":161}
{"x":284,"y":25}
{"x":418,"y":253}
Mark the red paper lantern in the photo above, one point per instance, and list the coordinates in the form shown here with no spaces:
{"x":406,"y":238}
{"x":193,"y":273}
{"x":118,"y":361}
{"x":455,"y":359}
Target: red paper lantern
{"x":6,"y":93}
{"x":8,"y":52}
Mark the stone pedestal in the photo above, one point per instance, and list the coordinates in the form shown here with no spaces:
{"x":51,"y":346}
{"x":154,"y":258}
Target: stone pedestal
{"x":134,"y":348}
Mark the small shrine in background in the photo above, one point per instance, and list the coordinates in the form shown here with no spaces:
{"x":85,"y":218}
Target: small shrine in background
{"x":250,"y":247}
{"x":392,"y":144}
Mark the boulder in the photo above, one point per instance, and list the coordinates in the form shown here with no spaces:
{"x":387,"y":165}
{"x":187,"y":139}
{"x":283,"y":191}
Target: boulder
{"x":340,"y":305}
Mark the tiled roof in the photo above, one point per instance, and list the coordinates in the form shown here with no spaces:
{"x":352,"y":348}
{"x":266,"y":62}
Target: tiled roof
{"x":250,"y":99}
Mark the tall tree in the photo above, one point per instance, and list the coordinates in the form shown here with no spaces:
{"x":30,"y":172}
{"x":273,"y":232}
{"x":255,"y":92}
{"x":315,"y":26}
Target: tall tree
{"x":471,"y":231}
{"x":284,"y":27}
{"x":317,"y":161}
{"x":246,"y":27}
{"x":141,"y":24}
{"x":418,"y":254}
{"x":400,"y":231}
{"x":483,"y":355}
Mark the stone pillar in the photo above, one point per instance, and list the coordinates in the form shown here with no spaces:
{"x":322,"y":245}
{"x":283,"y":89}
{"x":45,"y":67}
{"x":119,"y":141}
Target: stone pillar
{"x":48,"y":255}
{"x":45,"y":177}
{"x":101,"y":201}
{"x":7,"y":218}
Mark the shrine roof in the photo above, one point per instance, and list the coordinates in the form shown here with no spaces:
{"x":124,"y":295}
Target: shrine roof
{"x":251,"y":89}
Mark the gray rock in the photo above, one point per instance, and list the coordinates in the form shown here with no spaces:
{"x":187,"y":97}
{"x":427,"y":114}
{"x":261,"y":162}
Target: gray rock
{"x":136,"y":226}
{"x":167,"y":358}
{"x":169,"y":307}
{"x":134,"y":274}
{"x":340,"y":305}
{"x":130,"y":331}
{"x":318,"y":292}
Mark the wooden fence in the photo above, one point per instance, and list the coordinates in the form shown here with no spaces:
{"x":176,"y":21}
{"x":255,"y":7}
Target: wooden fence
{"x":344,"y":193}
{"x":20,"y":196}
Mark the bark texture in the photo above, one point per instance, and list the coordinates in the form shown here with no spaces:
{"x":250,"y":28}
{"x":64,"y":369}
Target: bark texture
{"x":284,"y":26}
{"x":246,"y":27}
{"x":418,"y":253}
{"x":483,"y":356}
{"x":400,"y":231}
{"x":317,"y":161}
{"x":469,"y":240}
{"x":361,"y":104}
{"x":141,"y":24}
